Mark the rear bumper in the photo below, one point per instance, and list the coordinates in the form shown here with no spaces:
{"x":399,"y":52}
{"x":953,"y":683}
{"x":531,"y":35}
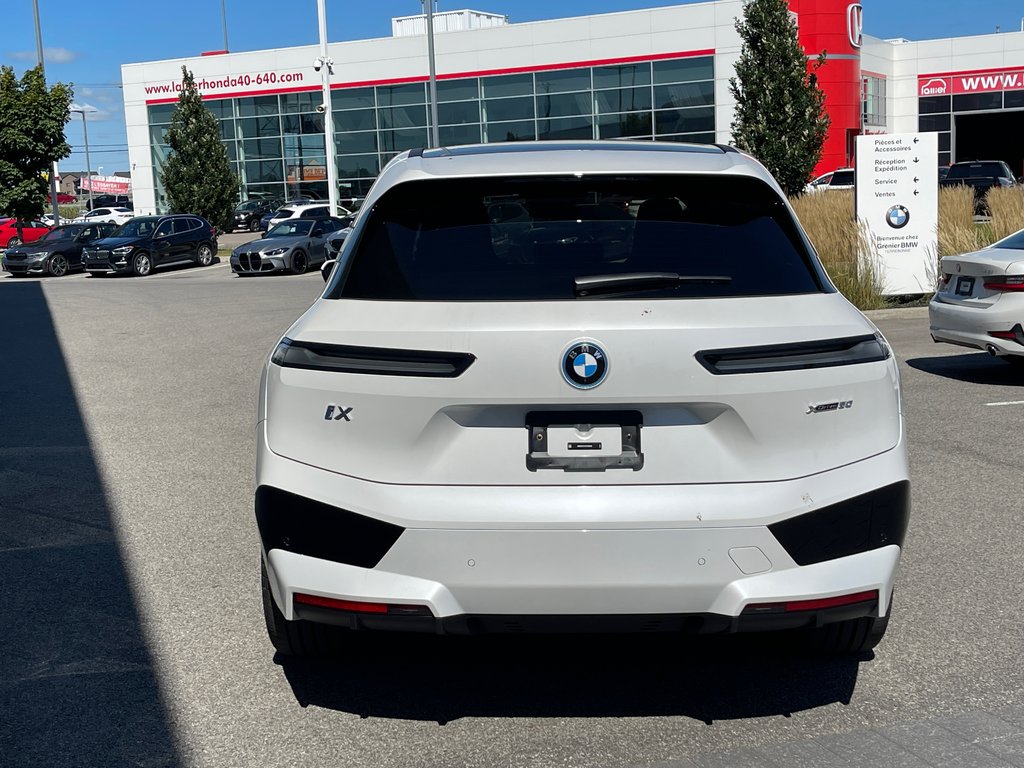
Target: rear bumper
{"x":969,"y":326}
{"x":480,"y":559}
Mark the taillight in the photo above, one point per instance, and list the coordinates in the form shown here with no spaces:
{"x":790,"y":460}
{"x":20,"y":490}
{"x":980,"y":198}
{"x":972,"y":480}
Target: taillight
{"x":793,"y":606}
{"x":1014,"y":334}
{"x":359,"y":606}
{"x":1005,"y":283}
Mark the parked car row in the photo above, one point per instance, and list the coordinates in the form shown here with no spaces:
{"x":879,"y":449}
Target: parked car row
{"x":138,"y":246}
{"x":145,"y":243}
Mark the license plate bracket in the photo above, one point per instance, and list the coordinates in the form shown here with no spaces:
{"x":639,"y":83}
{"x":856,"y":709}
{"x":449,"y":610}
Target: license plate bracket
{"x":584,"y":441}
{"x":964,"y":286}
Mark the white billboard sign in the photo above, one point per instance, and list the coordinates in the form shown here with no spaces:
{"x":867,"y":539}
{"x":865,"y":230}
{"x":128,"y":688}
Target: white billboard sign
{"x":897,"y":191}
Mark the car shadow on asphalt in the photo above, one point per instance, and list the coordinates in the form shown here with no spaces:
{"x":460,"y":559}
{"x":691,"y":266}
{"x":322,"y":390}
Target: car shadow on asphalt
{"x":972,"y":368}
{"x":441,"y":679}
{"x":75,"y":673}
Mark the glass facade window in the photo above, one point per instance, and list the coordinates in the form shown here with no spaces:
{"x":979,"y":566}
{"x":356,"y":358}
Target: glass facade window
{"x":622,"y":76}
{"x":458,"y":112}
{"x":459,"y":134}
{"x":623,"y":99}
{"x":563,"y":80}
{"x":624,"y":126}
{"x":364,"y":141}
{"x":684,"y":95}
{"x":276,"y":141}
{"x":403,"y":117}
{"x":353,"y":98}
{"x":1013,"y":99}
{"x":565,"y":128}
{"x":509,"y":109}
{"x":300,"y":102}
{"x":684,"y":70}
{"x":969,"y":102}
{"x":399,"y":95}
{"x":458,"y":90}
{"x":355,"y":120}
{"x":523,"y":130}
{"x":258,"y":105}
{"x":698,"y":120}
{"x":564,"y":104}
{"x":507,"y":85}
{"x":873,"y":102}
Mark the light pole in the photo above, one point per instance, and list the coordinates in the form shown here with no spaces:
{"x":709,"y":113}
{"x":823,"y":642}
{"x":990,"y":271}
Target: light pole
{"x":88,"y":167}
{"x":428,"y":10}
{"x":224,"y":21}
{"x":324,"y":64}
{"x":42,"y":67}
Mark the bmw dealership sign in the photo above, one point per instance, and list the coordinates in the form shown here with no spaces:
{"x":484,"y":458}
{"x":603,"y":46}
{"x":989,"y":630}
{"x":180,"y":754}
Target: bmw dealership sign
{"x":897,"y":185}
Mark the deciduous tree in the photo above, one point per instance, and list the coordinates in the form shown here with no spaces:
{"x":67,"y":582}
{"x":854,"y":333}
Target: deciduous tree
{"x":197,"y":174}
{"x":32,"y":121}
{"x":780,"y":110}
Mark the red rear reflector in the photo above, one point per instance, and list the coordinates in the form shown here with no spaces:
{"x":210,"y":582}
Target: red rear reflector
{"x":340,"y":605}
{"x":1003,"y":334}
{"x":813,"y":605}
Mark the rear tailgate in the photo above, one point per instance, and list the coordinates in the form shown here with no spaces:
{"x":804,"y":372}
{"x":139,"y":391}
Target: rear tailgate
{"x":695,"y":426}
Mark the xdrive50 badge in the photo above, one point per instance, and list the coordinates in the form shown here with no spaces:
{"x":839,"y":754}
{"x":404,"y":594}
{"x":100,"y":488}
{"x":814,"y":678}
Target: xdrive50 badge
{"x":584,"y":365}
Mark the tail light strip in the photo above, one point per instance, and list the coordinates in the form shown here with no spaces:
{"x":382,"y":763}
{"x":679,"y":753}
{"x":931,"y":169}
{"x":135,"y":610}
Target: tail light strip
{"x":802,"y":355}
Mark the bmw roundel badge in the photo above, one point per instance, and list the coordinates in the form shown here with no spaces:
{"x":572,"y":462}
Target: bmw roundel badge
{"x":897,"y":217}
{"x":584,"y":365}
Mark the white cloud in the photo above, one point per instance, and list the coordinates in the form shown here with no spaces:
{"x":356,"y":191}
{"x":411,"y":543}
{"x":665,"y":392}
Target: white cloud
{"x":52,"y":55}
{"x":92,"y":114}
{"x":59,"y":55}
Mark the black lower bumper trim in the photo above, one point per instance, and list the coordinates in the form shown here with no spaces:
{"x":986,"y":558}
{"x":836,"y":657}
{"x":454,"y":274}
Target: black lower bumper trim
{"x":655,"y":623}
{"x":869,"y":521}
{"x":296,"y":524}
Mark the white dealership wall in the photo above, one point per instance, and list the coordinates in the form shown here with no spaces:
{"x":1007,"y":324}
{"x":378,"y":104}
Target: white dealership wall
{"x":903,"y":61}
{"x":698,"y":27}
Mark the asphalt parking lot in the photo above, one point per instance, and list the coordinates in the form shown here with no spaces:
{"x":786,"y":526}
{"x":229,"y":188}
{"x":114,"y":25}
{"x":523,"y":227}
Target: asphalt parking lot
{"x":131,"y":625}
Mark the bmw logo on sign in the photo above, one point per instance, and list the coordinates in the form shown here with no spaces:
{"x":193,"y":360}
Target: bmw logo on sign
{"x":584,"y":365}
{"x":897,"y":217}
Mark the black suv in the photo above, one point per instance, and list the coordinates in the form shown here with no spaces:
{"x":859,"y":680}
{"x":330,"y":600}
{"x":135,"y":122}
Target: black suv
{"x":57,"y":252}
{"x":248,"y":214}
{"x":147,"y":242}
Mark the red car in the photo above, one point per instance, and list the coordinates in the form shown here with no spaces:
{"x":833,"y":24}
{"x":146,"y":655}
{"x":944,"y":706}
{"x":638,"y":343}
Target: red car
{"x":30,"y":232}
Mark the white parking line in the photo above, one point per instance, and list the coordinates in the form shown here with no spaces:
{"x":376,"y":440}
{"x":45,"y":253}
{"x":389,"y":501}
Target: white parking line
{"x":1008,"y":402}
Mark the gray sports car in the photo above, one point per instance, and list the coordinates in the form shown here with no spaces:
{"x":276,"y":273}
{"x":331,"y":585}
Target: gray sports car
{"x":294,"y":246}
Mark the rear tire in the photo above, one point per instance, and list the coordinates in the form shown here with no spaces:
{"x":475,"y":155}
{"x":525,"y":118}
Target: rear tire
{"x":292,"y":638}
{"x":204,"y":255}
{"x":14,"y":242}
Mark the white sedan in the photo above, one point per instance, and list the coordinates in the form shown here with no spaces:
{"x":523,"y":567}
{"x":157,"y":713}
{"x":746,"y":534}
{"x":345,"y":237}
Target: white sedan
{"x":107,"y":215}
{"x":980,"y":301}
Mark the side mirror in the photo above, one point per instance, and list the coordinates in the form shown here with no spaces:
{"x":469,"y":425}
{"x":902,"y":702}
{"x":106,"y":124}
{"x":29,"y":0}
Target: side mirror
{"x":327,"y":268}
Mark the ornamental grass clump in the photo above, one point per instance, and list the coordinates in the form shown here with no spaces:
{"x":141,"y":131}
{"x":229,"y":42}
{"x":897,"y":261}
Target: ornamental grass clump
{"x":1006,"y":205}
{"x":957,"y":231}
{"x":842,"y":245}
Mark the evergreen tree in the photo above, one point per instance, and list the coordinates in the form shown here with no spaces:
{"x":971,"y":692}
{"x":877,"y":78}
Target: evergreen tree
{"x":780,"y":110}
{"x":197,"y":175}
{"x":32,"y":120}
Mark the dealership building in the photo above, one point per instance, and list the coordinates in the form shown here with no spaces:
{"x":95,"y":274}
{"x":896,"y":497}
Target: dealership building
{"x":660,"y":73}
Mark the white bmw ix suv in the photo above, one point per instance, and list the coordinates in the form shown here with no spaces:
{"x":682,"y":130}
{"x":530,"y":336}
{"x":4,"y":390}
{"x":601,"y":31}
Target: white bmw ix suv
{"x":580,"y":387}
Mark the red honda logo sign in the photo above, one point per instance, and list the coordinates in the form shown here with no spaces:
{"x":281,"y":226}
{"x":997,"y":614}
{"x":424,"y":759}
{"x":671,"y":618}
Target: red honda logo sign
{"x":855,"y":24}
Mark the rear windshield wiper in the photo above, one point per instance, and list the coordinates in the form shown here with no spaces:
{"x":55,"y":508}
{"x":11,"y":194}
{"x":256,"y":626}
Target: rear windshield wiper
{"x":590,"y":285}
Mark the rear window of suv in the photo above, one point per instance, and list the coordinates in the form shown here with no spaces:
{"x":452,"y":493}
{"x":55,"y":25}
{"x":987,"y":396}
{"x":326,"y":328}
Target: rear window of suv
{"x":541,"y":238}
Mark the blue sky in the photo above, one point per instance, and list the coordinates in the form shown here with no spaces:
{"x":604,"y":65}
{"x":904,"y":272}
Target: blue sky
{"x":87,"y":42}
